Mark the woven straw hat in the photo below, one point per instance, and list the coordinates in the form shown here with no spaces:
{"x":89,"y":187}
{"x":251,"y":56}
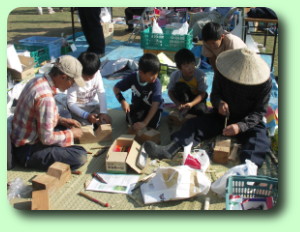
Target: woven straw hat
{"x":243,"y":66}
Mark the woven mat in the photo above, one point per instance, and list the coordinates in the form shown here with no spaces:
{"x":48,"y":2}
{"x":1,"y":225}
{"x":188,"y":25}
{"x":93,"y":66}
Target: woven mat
{"x":67,"y":198}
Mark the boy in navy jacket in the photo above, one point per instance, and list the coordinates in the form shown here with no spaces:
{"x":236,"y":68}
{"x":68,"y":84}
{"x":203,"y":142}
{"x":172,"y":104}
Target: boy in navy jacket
{"x":146,"y":103}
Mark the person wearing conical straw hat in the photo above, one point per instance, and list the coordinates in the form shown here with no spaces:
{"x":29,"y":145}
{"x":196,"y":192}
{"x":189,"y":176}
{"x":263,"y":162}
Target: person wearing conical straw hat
{"x":240,"y":93}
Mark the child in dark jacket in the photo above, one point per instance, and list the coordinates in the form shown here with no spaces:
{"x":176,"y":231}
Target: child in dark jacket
{"x":146,"y":103}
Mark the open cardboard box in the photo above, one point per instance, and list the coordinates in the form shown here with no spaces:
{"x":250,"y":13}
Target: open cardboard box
{"x":28,"y":69}
{"x":120,"y":161}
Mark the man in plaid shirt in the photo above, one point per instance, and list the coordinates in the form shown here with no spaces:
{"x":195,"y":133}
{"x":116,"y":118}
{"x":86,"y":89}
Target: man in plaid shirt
{"x":39,"y":135}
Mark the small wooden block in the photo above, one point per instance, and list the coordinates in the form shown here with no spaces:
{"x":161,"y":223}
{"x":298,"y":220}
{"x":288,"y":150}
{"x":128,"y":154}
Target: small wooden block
{"x":45,"y":182}
{"x":104,"y":133}
{"x":61,"y":171}
{"x":221,"y":154}
{"x":221,"y":150}
{"x":40,"y":200}
{"x":88,"y":135}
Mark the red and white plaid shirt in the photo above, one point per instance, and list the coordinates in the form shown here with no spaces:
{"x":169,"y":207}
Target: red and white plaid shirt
{"x":36,"y":116}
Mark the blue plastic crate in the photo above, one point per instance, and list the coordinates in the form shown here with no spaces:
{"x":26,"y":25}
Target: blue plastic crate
{"x":53,"y":43}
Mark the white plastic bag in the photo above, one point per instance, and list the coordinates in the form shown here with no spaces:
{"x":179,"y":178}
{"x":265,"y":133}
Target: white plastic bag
{"x":183,"y":30}
{"x":197,"y":160}
{"x":174,"y":183}
{"x":105,"y":15}
{"x":249,"y":168}
{"x":156,"y":28}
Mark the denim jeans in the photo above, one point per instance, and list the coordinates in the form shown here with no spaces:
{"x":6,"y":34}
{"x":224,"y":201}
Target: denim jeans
{"x":40,"y":156}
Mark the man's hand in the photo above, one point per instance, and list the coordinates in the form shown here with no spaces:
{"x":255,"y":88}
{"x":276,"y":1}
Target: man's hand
{"x":93,"y":118}
{"x":231,"y":130}
{"x":125,"y":106}
{"x":69,"y":122}
{"x":223,"y":108}
{"x":77,"y":133}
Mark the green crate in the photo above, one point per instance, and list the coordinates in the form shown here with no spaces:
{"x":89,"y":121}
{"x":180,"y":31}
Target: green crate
{"x":166,"y":41}
{"x":39,"y":53}
{"x":251,"y":187}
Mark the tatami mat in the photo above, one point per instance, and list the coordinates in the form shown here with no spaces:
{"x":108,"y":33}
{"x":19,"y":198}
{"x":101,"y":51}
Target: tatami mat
{"x":67,"y":198}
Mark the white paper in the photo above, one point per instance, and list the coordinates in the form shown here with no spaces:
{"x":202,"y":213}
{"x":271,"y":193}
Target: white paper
{"x":116,"y":183}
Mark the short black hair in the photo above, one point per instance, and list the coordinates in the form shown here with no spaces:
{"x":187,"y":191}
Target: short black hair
{"x":212,"y":31}
{"x":90,"y":63}
{"x":149,"y":63}
{"x":184,"y":56}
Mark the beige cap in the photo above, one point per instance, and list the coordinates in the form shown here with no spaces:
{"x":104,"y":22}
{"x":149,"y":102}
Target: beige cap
{"x":70,"y":66}
{"x":243,"y":66}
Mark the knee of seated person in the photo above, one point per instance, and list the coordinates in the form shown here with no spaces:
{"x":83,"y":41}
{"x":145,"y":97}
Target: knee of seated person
{"x":80,"y":161}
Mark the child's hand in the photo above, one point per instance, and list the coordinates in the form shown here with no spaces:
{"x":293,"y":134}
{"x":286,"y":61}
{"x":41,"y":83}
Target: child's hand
{"x":93,"y":118}
{"x":125,"y":106}
{"x":105,"y":118}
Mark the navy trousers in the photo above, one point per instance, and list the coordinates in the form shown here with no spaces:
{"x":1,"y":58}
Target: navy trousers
{"x":255,"y":142}
{"x":40,"y":156}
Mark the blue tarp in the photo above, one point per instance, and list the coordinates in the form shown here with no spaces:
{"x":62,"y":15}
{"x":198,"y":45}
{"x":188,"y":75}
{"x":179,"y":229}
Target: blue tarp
{"x":120,"y":49}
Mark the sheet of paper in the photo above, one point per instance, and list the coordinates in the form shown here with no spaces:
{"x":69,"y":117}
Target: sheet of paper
{"x":116,"y":183}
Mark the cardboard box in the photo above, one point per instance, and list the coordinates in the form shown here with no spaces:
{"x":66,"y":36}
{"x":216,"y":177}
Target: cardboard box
{"x":28,"y":69}
{"x":119,"y":161}
{"x":102,"y":134}
{"x":108,"y":31}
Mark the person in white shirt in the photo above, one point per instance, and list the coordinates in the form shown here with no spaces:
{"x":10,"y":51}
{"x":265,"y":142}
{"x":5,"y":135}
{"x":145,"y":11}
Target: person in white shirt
{"x":84,"y":105}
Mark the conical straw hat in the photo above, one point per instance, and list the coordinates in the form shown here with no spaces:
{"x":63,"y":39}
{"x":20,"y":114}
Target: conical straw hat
{"x":243,"y":66}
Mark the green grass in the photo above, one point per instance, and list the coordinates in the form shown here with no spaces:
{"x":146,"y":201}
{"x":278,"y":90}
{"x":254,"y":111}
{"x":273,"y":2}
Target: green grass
{"x":269,"y":49}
